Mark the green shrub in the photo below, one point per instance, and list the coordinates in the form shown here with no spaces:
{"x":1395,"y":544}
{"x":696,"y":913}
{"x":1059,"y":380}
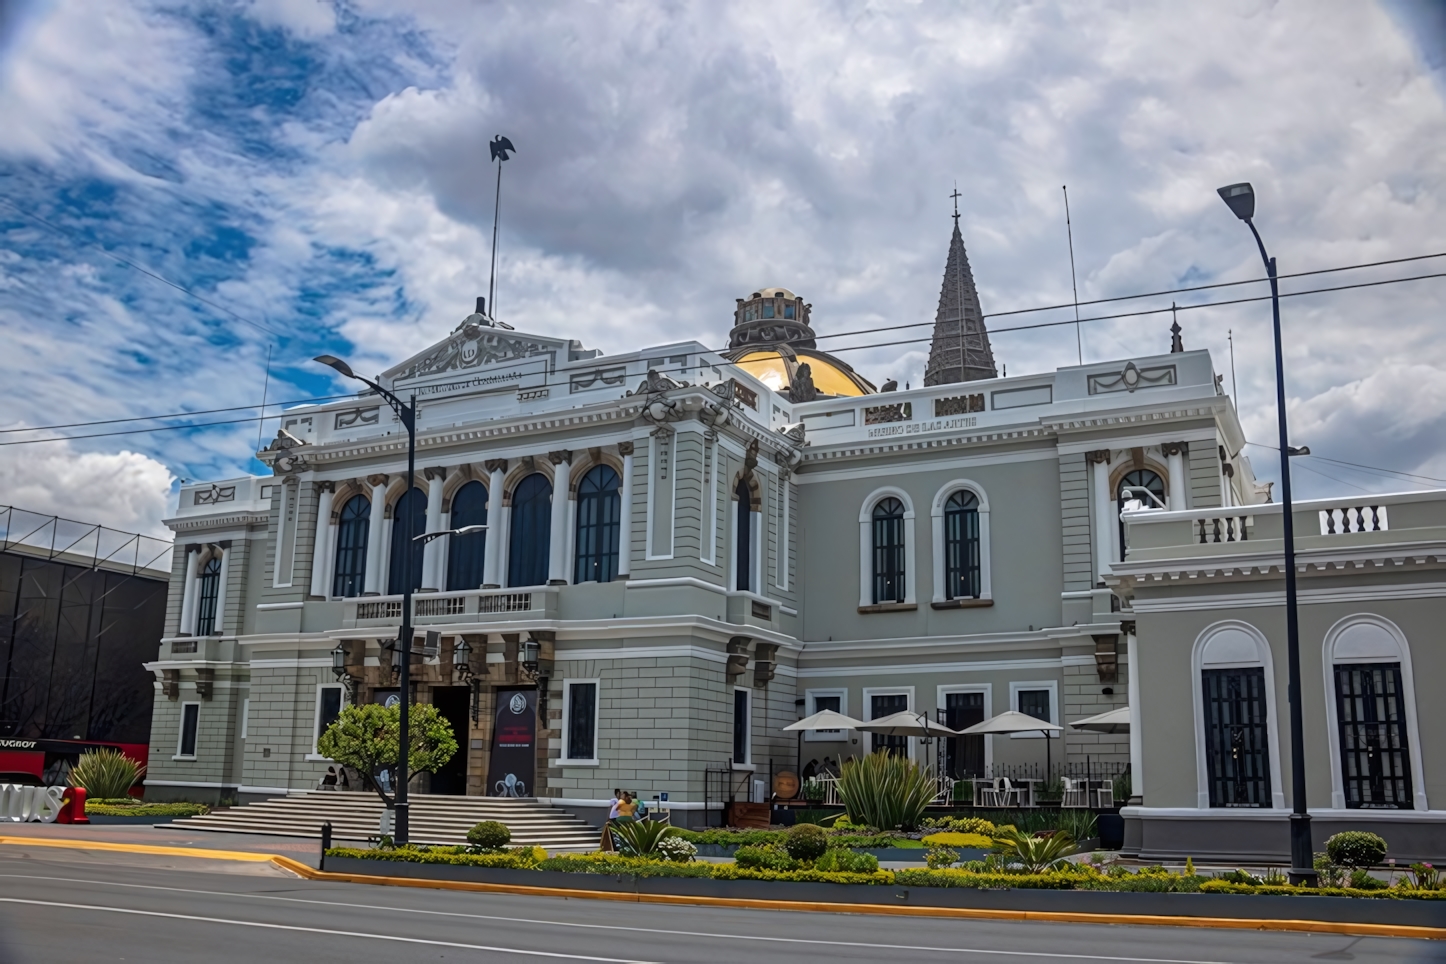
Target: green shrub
{"x":885,"y":791}
{"x":1226,"y":887}
{"x":871,"y":841}
{"x":1361,"y":879}
{"x":962,"y":825}
{"x":1035,"y":854}
{"x":841,"y":860}
{"x":618,"y":864}
{"x":640,"y":838}
{"x":518,"y":858}
{"x":765,"y":858}
{"x":1240,"y":877}
{"x":109,"y":808}
{"x":806,"y":842}
{"x":951,"y":838}
{"x":1423,"y":877}
{"x":732,"y":838}
{"x":1329,"y":874}
{"x":489,"y":835}
{"x":105,"y":773}
{"x":813,"y":876}
{"x":1356,"y":848}
{"x":984,"y":881}
{"x":940,"y":857}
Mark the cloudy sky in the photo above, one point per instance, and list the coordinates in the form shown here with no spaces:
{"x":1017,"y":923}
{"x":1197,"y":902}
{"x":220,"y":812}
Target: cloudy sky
{"x":317,"y":172}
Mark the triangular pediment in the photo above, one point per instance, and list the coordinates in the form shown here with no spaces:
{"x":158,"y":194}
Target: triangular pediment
{"x":478,"y":346}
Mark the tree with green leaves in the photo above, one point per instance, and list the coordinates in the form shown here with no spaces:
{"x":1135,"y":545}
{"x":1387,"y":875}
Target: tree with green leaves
{"x":368,"y":739}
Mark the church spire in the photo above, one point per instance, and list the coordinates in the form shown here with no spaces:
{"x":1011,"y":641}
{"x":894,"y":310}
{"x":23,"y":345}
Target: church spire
{"x":959,"y":309}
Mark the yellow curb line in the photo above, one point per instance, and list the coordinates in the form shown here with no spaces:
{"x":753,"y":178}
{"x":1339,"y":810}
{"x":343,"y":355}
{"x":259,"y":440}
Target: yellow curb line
{"x":958,"y":913}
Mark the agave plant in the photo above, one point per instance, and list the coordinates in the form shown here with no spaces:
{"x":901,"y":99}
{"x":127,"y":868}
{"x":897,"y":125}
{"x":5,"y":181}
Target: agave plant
{"x":640,"y":838}
{"x":105,"y":773}
{"x":885,"y":791}
{"x":1035,"y":855}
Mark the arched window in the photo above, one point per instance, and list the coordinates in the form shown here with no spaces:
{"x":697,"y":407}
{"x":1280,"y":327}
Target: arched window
{"x":743,"y":541}
{"x":406,"y":562}
{"x":465,"y":553}
{"x":961,"y":546}
{"x":208,"y":585}
{"x":531,"y":535}
{"x":1142,"y":479}
{"x":598,"y":507}
{"x":888,"y":531}
{"x":351,"y":547}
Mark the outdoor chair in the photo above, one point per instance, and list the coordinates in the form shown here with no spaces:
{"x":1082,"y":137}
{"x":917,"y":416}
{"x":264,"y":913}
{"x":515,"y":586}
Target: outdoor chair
{"x":1105,"y":798}
{"x":1076,"y":793}
{"x":990,"y":795}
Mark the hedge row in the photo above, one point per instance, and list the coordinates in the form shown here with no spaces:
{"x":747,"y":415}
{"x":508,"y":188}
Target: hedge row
{"x":145,"y":809}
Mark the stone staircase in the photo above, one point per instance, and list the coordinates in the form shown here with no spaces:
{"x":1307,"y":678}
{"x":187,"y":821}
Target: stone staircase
{"x":434,"y":819}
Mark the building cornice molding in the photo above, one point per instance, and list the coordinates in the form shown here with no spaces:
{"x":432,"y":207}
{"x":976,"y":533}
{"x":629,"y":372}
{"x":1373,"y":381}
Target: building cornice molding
{"x":190,"y":523}
{"x":1269,"y":564}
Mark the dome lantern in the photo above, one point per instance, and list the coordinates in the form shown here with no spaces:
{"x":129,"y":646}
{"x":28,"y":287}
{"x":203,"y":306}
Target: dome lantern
{"x":772,"y":341}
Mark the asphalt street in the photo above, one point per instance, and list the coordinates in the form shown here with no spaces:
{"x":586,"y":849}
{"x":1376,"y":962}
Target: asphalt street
{"x":62,"y":905}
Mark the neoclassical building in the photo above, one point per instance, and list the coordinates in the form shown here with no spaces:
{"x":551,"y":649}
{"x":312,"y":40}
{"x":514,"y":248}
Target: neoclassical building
{"x":686,"y":550}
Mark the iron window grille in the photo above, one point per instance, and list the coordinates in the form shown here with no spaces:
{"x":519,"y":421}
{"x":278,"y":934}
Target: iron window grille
{"x":888,"y":531}
{"x":961,"y":546}
{"x":1237,"y":755}
{"x":1375,"y":763}
{"x":209,"y":590}
{"x":351,"y":547}
{"x":599,"y":505}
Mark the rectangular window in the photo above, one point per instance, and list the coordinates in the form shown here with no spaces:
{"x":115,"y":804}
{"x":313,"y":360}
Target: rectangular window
{"x":580,"y":729}
{"x":1237,"y":761}
{"x":742,"y":711}
{"x":1035,"y":703}
{"x":190,"y":716}
{"x":886,"y":704}
{"x":964,"y":755}
{"x":1375,"y":763}
{"x":328,"y":708}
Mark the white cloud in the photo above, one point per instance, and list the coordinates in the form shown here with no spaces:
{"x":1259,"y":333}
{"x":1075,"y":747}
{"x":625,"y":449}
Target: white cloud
{"x":122,"y":490}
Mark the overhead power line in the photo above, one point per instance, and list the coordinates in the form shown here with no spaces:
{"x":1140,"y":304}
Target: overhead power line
{"x":1356,"y":465}
{"x":152,"y":418}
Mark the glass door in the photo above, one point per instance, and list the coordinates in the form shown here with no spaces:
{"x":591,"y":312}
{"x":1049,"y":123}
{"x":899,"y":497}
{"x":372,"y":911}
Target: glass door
{"x":963,"y":755}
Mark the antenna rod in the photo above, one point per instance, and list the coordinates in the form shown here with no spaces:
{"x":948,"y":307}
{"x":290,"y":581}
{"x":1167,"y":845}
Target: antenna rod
{"x":1234,"y":395}
{"x":265,"y":387}
{"x":1069,"y":229}
{"x":959,"y":293}
{"x":496,"y":213}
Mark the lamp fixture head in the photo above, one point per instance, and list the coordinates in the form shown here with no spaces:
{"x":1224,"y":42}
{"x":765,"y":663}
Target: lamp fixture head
{"x":461,"y":652}
{"x":1240,"y":198}
{"x":331,"y":361}
{"x":530,"y":652}
{"x":338,"y":660}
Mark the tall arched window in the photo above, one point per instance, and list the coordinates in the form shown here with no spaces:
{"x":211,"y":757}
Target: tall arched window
{"x":208,"y":585}
{"x":465,"y":553}
{"x":743,"y":540}
{"x":598,"y":507}
{"x":407,"y":553}
{"x":1137,"y":478}
{"x":531,"y":535}
{"x":888,"y":551}
{"x":351,"y":547}
{"x":961,"y":546}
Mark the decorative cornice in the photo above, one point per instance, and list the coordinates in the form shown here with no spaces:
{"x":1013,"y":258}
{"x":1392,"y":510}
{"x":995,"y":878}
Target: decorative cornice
{"x":193,"y":523}
{"x":1268,"y":564}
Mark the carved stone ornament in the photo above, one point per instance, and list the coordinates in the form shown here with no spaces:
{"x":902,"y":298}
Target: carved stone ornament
{"x":473,"y":345}
{"x":654,"y":383}
{"x":750,"y":459}
{"x":1132,"y":377}
{"x":434,"y":472}
{"x":794,"y":433}
{"x":802,"y":388}
{"x":376,"y":480}
{"x":560,"y":456}
{"x":280,"y":455}
{"x":215,"y":494}
{"x":625,"y":448}
{"x":495,"y":465}
{"x":1176,"y":448}
{"x":1098,"y":455}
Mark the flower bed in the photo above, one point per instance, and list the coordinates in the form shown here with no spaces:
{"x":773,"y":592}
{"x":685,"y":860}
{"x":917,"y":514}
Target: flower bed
{"x":114,"y":808}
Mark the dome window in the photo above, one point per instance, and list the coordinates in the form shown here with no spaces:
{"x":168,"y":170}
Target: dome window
{"x":768,"y":309}
{"x":788,"y":309}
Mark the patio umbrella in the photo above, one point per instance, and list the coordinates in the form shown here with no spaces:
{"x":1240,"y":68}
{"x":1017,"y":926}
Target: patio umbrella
{"x":1012,"y":721}
{"x":1114,"y":721}
{"x":906,"y":723}
{"x":825,"y":720}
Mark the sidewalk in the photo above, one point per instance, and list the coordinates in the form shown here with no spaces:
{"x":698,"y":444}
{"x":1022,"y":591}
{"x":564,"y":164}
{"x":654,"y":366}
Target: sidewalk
{"x":145,"y":835}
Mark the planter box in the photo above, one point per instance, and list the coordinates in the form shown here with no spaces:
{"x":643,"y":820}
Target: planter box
{"x":1415,"y":913}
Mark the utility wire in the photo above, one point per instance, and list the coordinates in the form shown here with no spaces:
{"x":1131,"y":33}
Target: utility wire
{"x":131,"y":264}
{"x":149,"y":418}
{"x":1327,"y":475}
{"x":1356,"y":465}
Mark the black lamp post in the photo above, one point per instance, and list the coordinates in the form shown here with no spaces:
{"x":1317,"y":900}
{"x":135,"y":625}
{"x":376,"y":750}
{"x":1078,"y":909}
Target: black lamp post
{"x":407,"y":413}
{"x":1241,"y":200}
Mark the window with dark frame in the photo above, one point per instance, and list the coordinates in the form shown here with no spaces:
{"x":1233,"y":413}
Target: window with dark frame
{"x":599,"y":507}
{"x":531,"y":535}
{"x":581,"y":721}
{"x":208,"y":592}
{"x":821,"y":703}
{"x":1237,"y":758}
{"x":352,"y":530}
{"x":1034,"y":703}
{"x":412,"y":505}
{"x":887,"y":704}
{"x":465,"y":554}
{"x":328,"y":709}
{"x":888,"y":543}
{"x":742,"y":707}
{"x":1375,"y":758}
{"x":961,"y":546}
{"x":743,"y":540}
{"x":190,"y":715}
{"x":963,"y":755}
{"x":1136,"y":478}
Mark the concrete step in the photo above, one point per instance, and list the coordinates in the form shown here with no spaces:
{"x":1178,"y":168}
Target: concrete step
{"x":434,"y":819}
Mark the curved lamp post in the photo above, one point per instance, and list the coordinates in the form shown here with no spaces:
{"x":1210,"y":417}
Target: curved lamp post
{"x":407,"y":413}
{"x":1240,"y":198}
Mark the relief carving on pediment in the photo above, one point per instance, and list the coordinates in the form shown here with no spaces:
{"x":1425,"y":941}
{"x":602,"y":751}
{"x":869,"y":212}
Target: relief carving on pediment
{"x":474,"y":345}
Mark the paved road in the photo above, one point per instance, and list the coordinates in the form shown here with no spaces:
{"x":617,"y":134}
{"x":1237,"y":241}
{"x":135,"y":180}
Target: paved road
{"x":63,"y":905}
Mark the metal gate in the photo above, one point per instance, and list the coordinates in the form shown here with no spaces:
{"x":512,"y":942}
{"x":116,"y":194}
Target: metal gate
{"x":1375,"y":769}
{"x":1237,"y":755}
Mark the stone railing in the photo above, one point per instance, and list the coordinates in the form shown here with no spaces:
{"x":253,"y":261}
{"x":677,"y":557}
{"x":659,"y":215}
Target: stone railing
{"x":459,"y":606}
{"x":1355,"y":518}
{"x":1227,"y":528}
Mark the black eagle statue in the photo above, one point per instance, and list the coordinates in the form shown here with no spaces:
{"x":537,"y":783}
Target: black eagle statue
{"x":500,"y":146}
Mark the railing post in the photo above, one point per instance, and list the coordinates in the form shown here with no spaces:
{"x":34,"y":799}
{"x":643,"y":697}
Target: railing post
{"x":325,"y":844}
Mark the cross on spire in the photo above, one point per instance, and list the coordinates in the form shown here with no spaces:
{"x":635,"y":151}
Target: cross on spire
{"x":956,"y":195}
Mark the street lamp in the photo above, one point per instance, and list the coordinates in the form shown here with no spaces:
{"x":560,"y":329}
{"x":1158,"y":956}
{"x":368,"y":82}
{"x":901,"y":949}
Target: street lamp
{"x":1240,"y":198}
{"x":407,"y":413}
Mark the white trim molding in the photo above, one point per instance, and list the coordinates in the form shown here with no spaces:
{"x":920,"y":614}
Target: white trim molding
{"x":936,"y":514}
{"x":940,"y":703}
{"x":1052,"y":685}
{"x":568,"y":682}
{"x":1233,"y":643}
{"x":866,"y":545}
{"x":181,"y":732}
{"x":870,"y":692}
{"x":1368,"y":638}
{"x":810,"y":707}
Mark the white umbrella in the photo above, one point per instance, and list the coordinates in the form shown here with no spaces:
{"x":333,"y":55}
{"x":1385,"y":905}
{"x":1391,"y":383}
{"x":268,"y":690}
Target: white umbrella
{"x":825,"y":720}
{"x":906,"y":723}
{"x":1012,"y":721}
{"x":1114,"y":721}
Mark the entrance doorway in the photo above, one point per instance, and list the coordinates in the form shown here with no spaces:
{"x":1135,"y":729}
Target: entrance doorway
{"x":1236,"y":738}
{"x":964,"y":755}
{"x":453,"y":703}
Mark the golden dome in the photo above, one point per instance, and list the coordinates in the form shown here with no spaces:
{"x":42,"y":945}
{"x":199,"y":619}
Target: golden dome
{"x":830,"y":376}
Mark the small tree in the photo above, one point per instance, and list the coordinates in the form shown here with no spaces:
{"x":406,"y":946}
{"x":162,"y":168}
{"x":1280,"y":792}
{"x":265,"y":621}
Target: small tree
{"x":368,"y":739}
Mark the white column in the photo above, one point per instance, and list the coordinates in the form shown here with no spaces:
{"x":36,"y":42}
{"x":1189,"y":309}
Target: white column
{"x":384,"y":561}
{"x":625,"y":512}
{"x":188,"y":595}
{"x":376,"y":549}
{"x":435,"y":479}
{"x":1106,"y":518}
{"x":281,"y":560}
{"x":321,"y":544}
{"x":1137,"y":755}
{"x":218,"y":628}
{"x":442,"y":549}
{"x":1179,"y":481}
{"x":496,"y":533}
{"x":557,"y":561}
